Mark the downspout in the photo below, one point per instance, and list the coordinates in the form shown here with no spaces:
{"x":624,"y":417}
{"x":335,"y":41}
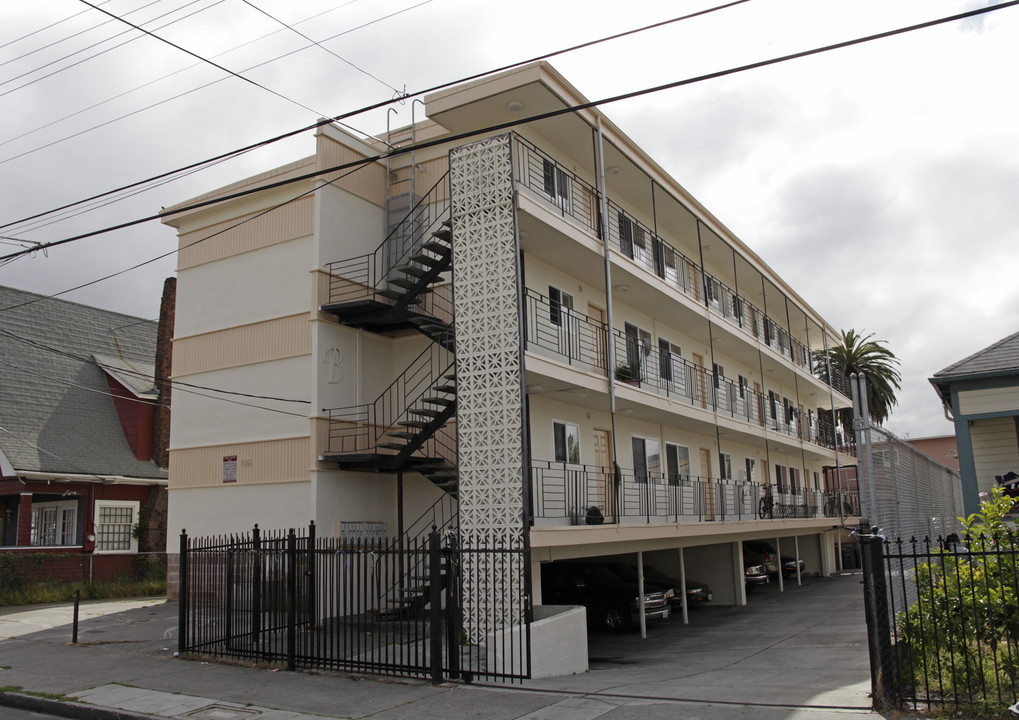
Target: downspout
{"x":609,"y":340}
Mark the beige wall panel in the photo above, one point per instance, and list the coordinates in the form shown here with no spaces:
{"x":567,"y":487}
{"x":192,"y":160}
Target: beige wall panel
{"x":245,"y":345}
{"x":258,"y":463}
{"x":288,"y":222}
{"x":367,"y":182}
{"x":995,"y":449}
{"x":972,"y":402}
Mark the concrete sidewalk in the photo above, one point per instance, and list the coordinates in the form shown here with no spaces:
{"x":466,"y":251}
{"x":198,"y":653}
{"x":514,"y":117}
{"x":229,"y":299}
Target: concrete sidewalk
{"x":799,"y":655}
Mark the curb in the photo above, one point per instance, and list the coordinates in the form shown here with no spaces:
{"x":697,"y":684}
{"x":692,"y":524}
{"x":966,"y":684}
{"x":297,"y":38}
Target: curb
{"x":67,"y":709}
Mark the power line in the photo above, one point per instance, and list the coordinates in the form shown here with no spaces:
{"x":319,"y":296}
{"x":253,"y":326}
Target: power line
{"x":78,"y":113}
{"x":523,"y":121}
{"x":203,"y":59}
{"x":214,"y":82}
{"x":55,"y":42}
{"x":32,"y":445}
{"x":364,"y":109}
{"x":316,"y":43}
{"x":51,"y":25}
{"x":103,"y":52}
{"x":176,"y":384}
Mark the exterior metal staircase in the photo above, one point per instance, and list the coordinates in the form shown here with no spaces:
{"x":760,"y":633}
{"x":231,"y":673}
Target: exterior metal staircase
{"x":398,"y":288}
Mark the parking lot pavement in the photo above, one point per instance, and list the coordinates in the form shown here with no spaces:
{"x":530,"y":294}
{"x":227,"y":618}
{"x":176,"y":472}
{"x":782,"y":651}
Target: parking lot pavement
{"x":805,"y":647}
{"x":798,"y":655}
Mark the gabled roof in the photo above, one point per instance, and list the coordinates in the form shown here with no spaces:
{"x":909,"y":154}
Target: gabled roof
{"x":1001,"y":358}
{"x":56,"y":412}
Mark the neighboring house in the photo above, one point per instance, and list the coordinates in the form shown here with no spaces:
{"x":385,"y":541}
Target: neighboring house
{"x":77,"y":429}
{"x":440,"y":328}
{"x":981,"y":395}
{"x":942,"y":448}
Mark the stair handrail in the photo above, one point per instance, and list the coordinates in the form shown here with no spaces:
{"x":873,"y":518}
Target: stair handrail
{"x":361,"y":275}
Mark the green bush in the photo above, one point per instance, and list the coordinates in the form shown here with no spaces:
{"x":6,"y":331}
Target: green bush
{"x":148,"y":579}
{"x":959,"y":639}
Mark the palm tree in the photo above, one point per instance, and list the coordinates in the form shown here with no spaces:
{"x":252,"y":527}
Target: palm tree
{"x":857,"y":353}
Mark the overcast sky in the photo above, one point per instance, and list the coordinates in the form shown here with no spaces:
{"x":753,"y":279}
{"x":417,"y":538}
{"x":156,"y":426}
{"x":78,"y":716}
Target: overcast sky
{"x":881,"y":181}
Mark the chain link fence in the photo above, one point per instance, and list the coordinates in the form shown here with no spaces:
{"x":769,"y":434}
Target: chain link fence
{"x":913,"y":495}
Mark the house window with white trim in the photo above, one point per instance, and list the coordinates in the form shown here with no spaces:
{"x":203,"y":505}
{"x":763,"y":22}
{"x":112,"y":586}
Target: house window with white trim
{"x":115,"y":521}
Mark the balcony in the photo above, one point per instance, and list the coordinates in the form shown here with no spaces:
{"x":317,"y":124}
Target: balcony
{"x":563,"y":334}
{"x":564,"y":494}
{"x":563,"y":192}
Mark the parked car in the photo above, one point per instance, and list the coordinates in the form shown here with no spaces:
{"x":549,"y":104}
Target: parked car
{"x":612,"y":601}
{"x":696,"y":592}
{"x":754,"y":575}
{"x":761,"y":552}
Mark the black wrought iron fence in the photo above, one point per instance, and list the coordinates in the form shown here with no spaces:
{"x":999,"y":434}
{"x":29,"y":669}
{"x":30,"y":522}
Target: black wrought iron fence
{"x":390,"y":607}
{"x":943,"y":622}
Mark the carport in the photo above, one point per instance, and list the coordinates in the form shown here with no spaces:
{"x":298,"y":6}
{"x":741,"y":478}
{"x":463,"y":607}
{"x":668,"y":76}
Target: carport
{"x":805,"y":647}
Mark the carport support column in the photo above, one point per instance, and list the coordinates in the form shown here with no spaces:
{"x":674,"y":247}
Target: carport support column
{"x":640,"y":593}
{"x":738,"y":574}
{"x":778,"y":549}
{"x":682,"y":586}
{"x":799,"y":575}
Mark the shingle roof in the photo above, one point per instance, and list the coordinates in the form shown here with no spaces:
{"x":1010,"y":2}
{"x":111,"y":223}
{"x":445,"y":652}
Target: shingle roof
{"x":1001,"y":357}
{"x":55,"y":409}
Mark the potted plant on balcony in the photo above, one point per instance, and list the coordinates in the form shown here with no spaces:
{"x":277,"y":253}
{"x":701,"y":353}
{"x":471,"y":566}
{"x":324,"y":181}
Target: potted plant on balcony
{"x":629,"y":373}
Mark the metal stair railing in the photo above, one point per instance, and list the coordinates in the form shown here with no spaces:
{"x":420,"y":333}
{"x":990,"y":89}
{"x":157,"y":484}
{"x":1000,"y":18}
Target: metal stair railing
{"x":359,"y":428}
{"x":361,"y":277}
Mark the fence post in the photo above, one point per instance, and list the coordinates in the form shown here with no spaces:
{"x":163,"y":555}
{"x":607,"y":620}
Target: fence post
{"x":256,"y":589}
{"x":435,"y":605}
{"x":883,"y":676}
{"x":291,"y":600}
{"x":453,"y":555}
{"x":312,"y":580}
{"x":182,"y":594}
{"x":230,"y":555}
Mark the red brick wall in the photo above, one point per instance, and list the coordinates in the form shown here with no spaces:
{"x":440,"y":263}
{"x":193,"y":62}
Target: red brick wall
{"x":48,"y":565}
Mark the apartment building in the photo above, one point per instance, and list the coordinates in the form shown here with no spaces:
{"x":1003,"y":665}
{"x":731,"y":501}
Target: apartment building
{"x":532,"y":337}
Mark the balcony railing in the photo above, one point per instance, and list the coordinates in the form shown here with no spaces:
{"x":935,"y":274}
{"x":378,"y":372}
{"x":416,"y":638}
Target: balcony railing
{"x":565,"y":494}
{"x":562,"y":332}
{"x":571,"y":197}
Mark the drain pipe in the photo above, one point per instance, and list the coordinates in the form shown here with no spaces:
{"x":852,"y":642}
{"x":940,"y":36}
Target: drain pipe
{"x":640,"y":594}
{"x":610,"y":346}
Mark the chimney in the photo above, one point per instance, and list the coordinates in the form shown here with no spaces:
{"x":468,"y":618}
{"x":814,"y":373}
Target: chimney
{"x":164,"y":368}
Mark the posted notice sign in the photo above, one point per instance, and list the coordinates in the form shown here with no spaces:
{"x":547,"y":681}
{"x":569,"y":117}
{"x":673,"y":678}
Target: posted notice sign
{"x":229,"y":468}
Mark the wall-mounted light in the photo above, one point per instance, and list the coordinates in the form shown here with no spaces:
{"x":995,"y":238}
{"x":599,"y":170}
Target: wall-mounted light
{"x":620,"y":288}
{"x":612,"y":170}
{"x":514,"y":106}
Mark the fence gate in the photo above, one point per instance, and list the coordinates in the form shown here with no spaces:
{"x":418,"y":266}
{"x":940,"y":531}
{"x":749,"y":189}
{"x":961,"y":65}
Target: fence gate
{"x":389,"y":607}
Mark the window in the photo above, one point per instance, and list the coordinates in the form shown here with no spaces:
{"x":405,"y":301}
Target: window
{"x":566,"y":437}
{"x":743,"y":387}
{"x":638,"y":348}
{"x":788,"y":407}
{"x":780,"y":475}
{"x":556,"y":183}
{"x":794,"y":480}
{"x":632,"y":238}
{"x":719,"y":374}
{"x":714,"y":290}
{"x":559,"y":306}
{"x":725,"y":465}
{"x":750,"y":470}
{"x":772,"y":405}
{"x":54,"y":523}
{"x":115,"y":521}
{"x":670,"y":362}
{"x":647,"y":459}
{"x":677,"y":464}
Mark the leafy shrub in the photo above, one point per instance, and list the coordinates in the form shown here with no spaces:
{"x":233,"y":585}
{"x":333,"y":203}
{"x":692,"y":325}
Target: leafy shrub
{"x":959,"y":639}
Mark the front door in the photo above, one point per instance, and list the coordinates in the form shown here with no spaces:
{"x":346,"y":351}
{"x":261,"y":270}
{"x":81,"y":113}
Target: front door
{"x":603,"y":459}
{"x":700,"y":387}
{"x":597,"y":316}
{"x":707,"y":486}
